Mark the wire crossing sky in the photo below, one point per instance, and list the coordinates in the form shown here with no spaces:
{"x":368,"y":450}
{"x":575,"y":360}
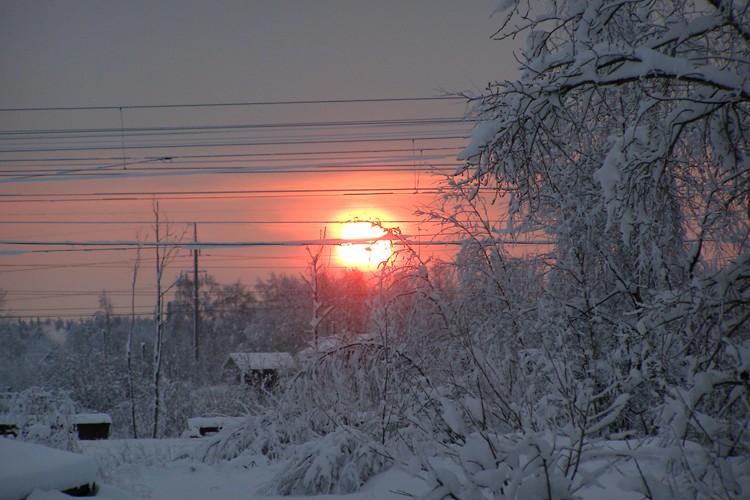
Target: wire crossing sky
{"x":265,"y":122}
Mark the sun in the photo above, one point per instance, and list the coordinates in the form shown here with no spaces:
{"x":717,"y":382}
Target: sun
{"x":367,"y":255}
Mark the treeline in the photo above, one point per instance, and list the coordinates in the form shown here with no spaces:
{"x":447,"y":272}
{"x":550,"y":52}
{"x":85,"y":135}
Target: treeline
{"x":87,"y":357}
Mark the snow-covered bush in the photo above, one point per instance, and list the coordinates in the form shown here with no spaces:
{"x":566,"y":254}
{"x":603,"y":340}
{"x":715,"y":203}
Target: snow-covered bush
{"x":366,"y":385}
{"x":221,"y":400}
{"x":139,"y":452}
{"x":255,"y":435}
{"x":339,"y":462}
{"x":44,"y":417}
{"x":534,"y":465}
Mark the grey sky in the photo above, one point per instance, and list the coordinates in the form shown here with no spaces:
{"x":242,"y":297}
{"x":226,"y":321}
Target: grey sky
{"x":161,"y":52}
{"x":64,"y":53}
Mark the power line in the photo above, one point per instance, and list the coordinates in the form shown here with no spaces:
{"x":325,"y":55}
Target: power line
{"x":148,"y":133}
{"x":46,"y":296}
{"x":202,"y":192}
{"x":281,"y":142}
{"x":212,"y":195}
{"x":213,"y":222}
{"x":237,"y":104}
{"x":193,"y":129}
{"x":248,"y":244}
{"x":277,"y":154}
{"x":44,"y":313}
{"x":99,"y":172}
{"x":327,"y":145}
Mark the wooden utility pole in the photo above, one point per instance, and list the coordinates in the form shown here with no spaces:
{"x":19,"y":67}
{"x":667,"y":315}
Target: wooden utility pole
{"x":196,"y":312}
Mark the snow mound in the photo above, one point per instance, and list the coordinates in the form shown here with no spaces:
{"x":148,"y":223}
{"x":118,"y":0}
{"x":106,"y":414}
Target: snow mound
{"x":28,"y":467}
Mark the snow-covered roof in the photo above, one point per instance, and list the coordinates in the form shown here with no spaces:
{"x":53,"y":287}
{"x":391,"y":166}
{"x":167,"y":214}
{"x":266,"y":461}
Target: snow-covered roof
{"x":79,"y":418}
{"x":249,"y":361}
{"x":198,"y":422}
{"x":92,"y":418}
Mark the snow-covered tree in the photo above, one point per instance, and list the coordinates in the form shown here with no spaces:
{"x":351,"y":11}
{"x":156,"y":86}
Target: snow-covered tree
{"x":316,"y":277}
{"x":42,"y":416}
{"x":282,"y":314}
{"x":625,"y":141}
{"x":164,"y":255}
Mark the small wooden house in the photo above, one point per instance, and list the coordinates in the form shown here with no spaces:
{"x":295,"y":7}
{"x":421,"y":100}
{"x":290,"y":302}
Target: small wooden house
{"x":91,"y":426}
{"x":256,"y":369}
{"x":8,"y":426}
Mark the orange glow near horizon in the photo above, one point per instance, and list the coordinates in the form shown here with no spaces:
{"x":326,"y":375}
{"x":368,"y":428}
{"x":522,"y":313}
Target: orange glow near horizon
{"x":367,"y":255}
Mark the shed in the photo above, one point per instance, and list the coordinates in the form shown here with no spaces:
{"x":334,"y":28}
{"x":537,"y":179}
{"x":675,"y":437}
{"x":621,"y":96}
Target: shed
{"x":92,"y":426}
{"x":257,"y":369}
{"x":207,"y":426}
{"x":8,"y":425}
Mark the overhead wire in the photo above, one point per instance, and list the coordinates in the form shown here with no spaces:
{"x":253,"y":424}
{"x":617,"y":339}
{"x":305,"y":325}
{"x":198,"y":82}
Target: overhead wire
{"x":211,"y":222}
{"x":107,"y":132}
{"x":273,"y":148}
{"x":339,"y":132}
{"x":221,"y":193}
{"x":238,"y":104}
{"x":282,"y":142}
{"x":275,"y":154}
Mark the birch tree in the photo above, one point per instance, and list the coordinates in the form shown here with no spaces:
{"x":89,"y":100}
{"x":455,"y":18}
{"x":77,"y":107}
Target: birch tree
{"x":129,"y":343}
{"x":315,"y":280}
{"x":164,"y":255}
{"x":106,"y":311}
{"x":626,"y":141}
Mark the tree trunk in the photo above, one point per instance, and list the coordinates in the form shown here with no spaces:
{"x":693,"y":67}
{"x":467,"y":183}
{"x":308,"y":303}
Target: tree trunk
{"x":159,"y":330}
{"x":128,"y":345}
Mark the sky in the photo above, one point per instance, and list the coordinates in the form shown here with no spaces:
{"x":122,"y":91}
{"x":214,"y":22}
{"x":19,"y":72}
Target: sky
{"x":259,"y":121}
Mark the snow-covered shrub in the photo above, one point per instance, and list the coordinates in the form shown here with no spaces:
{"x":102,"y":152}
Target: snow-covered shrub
{"x":44,"y":417}
{"x":339,"y":462}
{"x":368,"y":385}
{"x":542,"y":465}
{"x":255,"y":435}
{"x":114,"y":454}
{"x":221,"y":400}
{"x":533,"y":465}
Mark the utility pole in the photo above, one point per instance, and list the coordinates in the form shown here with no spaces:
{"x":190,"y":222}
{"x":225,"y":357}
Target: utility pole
{"x":196,"y":313}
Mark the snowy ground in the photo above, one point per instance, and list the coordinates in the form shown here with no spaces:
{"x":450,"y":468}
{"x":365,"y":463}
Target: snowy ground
{"x":186,"y":481}
{"x":165,"y":469}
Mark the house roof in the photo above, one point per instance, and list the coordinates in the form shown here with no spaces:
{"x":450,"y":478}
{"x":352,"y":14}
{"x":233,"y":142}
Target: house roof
{"x":92,"y":418}
{"x":249,"y":361}
{"x":195,"y":423}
